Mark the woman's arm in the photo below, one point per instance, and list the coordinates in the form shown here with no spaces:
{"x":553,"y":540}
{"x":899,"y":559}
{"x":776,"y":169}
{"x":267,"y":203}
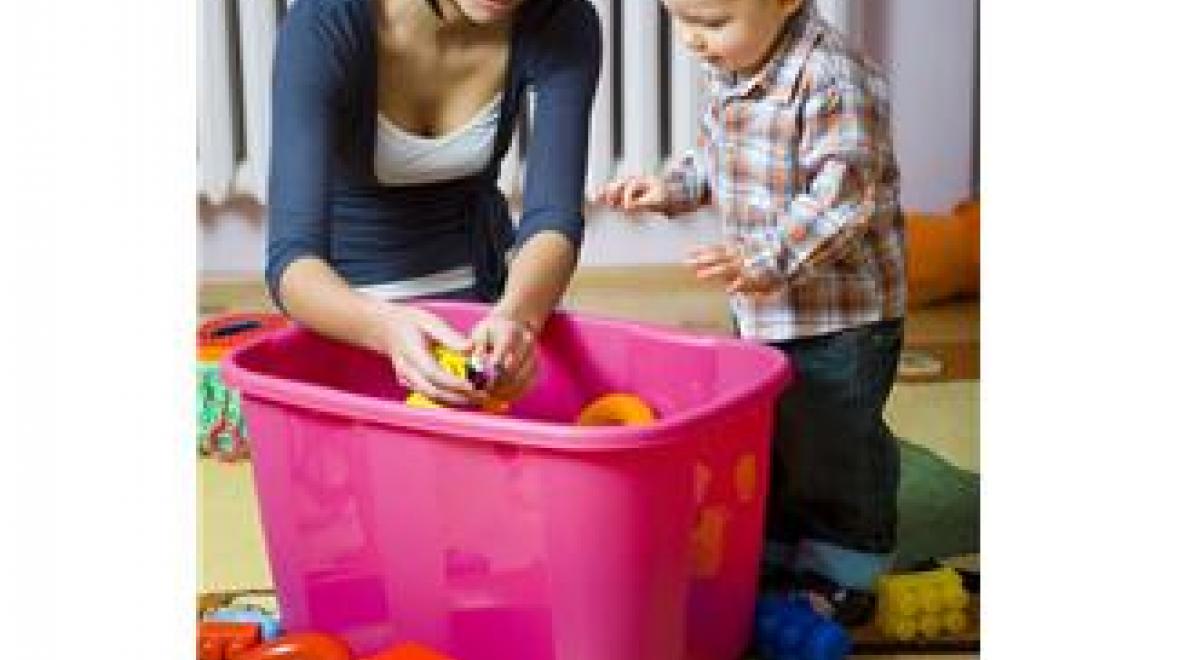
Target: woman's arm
{"x":565,"y":57}
{"x":319,"y":298}
{"x":538,"y":278}
{"x":307,"y":87}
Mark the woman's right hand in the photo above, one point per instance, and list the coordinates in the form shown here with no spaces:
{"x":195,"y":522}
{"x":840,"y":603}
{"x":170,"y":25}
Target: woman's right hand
{"x":408,"y":335}
{"x":634,"y":194}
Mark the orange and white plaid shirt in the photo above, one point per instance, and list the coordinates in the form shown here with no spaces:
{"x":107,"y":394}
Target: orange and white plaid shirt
{"x":798,"y":161}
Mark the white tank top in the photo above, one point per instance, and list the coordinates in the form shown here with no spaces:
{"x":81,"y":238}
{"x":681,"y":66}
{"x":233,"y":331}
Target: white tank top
{"x":401,"y":158}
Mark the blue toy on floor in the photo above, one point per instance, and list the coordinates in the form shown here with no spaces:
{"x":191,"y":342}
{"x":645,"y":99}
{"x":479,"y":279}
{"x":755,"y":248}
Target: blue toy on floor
{"x":788,"y":628}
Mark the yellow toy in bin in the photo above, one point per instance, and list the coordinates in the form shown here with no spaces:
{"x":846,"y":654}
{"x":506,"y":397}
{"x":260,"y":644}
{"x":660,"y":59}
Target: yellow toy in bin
{"x":464,"y":367}
{"x":927,"y":604}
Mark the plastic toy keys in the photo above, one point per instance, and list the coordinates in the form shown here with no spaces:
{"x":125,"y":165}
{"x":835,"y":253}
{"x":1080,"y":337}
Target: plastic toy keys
{"x":220,"y":427}
{"x":223,"y":640}
{"x":788,"y":628}
{"x":617,"y":410}
{"x":926,"y":604}
{"x":300,"y":646}
{"x":409,"y":651}
{"x":237,"y":448}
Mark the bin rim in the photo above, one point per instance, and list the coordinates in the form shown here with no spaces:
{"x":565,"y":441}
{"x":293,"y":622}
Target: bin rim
{"x":495,"y":429}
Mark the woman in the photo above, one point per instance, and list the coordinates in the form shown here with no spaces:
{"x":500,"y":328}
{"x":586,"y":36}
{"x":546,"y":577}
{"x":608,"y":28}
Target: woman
{"x":391,"y":118}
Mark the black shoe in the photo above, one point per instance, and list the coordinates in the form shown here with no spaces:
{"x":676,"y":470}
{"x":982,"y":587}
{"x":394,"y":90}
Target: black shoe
{"x":850,"y":608}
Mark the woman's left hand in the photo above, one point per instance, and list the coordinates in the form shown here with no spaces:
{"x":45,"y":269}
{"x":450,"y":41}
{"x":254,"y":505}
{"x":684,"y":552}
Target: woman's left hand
{"x":508,"y":347}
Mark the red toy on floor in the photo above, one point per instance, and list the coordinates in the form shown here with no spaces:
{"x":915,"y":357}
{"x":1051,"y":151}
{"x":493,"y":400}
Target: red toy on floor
{"x":217,"y":640}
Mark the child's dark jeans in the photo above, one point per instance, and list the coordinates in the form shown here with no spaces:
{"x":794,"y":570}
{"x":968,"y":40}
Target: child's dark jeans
{"x":832,"y":506}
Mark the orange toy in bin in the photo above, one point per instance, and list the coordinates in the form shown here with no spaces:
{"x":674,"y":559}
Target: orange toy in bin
{"x":617,"y":409}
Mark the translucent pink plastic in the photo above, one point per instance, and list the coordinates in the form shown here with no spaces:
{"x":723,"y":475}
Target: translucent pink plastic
{"x":520,"y":537}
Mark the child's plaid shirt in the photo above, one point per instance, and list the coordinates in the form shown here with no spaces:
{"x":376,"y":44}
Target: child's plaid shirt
{"x":798,"y":160}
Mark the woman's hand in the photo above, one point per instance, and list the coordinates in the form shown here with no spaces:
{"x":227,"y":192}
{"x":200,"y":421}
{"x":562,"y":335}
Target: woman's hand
{"x":507,"y":347}
{"x":409,"y":335}
{"x":634,"y":194}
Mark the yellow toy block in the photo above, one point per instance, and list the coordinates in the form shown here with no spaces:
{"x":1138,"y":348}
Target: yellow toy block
{"x":929,"y":604}
{"x":454,"y":363}
{"x":416,"y":400}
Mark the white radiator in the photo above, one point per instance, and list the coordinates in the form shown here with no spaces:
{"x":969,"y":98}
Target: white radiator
{"x":235,"y":49}
{"x":644,"y":113}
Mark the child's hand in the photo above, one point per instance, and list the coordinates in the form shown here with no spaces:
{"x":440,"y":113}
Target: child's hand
{"x":634,"y":194}
{"x":725,"y":263}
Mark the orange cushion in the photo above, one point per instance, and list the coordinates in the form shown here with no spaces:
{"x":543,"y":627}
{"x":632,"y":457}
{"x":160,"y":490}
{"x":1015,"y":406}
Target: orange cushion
{"x":942,"y":258}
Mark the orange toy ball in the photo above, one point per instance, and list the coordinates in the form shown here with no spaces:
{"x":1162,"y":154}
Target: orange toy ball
{"x":617,"y":409}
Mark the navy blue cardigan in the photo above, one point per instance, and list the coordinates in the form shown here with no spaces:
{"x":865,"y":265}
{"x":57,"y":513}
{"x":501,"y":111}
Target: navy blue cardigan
{"x":324,"y":198}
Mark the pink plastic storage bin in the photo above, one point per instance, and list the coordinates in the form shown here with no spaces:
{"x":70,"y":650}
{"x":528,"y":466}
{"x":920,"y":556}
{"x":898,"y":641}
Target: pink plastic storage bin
{"x":520,"y":537}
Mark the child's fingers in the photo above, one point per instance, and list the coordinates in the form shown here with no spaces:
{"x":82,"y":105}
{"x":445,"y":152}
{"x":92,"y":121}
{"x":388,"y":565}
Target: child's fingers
{"x":640,"y":195}
{"x":710,"y":255}
{"x":632,"y":191}
{"x":609,"y":194}
{"x":723,"y":271}
{"x":747,"y":283}
{"x":615,"y":193}
{"x":714,"y":262}
{"x":740,"y":284}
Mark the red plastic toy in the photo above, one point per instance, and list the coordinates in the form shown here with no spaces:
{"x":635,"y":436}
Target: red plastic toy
{"x":219,"y":334}
{"x":300,"y":646}
{"x":223,"y":640}
{"x":409,"y":651}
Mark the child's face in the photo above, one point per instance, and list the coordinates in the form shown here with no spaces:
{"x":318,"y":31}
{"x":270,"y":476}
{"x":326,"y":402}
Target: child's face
{"x":733,"y":35}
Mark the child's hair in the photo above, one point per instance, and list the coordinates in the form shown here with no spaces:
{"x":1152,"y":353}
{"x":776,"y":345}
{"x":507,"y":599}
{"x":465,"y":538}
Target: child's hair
{"x":434,"y":7}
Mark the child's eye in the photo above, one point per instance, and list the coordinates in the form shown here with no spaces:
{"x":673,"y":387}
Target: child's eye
{"x":715,"y":23}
